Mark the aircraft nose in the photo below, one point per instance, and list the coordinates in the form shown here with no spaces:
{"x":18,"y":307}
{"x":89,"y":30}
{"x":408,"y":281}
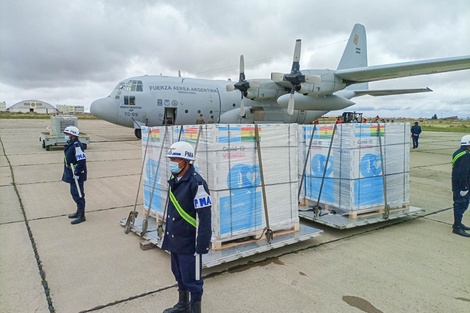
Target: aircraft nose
{"x":106,"y":109}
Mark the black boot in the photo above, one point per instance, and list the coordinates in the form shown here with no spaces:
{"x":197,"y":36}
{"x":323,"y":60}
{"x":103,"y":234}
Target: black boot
{"x":196,"y":307}
{"x":78,"y":220}
{"x":464,"y":227}
{"x":459,"y":230}
{"x":183,"y":305}
{"x":461,"y":226}
{"x":74,"y":215}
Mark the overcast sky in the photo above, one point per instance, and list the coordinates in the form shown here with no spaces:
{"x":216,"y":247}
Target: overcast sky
{"x":73,"y":52}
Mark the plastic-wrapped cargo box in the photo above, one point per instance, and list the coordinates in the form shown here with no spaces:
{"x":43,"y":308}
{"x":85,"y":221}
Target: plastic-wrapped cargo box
{"x":226,"y":157}
{"x":354,"y":175}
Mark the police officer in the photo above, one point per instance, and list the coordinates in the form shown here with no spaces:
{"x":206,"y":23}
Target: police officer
{"x":74,"y":155}
{"x":461,"y":185}
{"x":189,"y":195}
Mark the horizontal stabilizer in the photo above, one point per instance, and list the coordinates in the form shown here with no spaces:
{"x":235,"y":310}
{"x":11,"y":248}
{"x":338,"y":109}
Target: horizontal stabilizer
{"x":388,"y":92}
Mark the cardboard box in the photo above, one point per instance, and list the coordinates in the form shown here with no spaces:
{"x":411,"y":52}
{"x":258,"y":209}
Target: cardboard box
{"x":227,"y":158}
{"x":354,"y":174}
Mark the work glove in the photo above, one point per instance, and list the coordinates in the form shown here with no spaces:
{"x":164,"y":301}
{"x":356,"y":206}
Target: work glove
{"x":463,"y":193}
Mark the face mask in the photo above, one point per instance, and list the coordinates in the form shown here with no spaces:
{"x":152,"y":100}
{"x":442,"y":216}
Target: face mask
{"x":67,"y":138}
{"x":174,"y":167}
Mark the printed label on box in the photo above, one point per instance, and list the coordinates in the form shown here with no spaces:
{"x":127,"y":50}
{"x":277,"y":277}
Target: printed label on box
{"x":241,"y":212}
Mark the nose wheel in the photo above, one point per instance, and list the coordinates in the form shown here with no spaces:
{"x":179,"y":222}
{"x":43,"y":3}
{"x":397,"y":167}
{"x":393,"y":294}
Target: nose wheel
{"x":138,"y":133}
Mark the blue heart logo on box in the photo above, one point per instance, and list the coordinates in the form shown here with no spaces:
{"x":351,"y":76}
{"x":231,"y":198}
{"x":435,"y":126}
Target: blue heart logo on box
{"x":319,"y":163}
{"x":241,"y":177}
{"x":370,"y":165}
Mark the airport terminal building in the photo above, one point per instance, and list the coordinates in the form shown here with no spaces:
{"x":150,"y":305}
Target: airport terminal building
{"x":70,"y":109}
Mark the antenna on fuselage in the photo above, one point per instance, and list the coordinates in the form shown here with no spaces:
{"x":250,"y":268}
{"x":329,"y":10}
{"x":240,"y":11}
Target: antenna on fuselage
{"x":179,"y":73}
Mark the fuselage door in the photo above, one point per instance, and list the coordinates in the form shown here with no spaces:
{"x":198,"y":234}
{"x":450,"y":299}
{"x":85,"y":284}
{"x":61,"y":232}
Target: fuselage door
{"x":170,"y":116}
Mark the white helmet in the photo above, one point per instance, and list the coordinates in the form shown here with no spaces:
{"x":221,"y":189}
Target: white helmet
{"x":72,"y":130}
{"x":465,"y":141}
{"x":182,"y":150}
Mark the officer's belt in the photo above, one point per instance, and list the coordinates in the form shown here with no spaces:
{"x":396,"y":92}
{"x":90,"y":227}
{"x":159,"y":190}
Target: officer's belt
{"x":458,"y":156}
{"x":188,"y":218}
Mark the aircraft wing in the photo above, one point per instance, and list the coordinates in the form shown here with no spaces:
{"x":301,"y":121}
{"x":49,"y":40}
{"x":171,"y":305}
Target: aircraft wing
{"x":388,"y":92}
{"x":389,"y":71}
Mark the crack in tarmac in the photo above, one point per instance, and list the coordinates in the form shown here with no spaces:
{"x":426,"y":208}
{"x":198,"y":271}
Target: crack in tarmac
{"x":211,"y":275}
{"x":66,"y":214}
{"x":60,"y":163}
{"x":423,"y":166}
{"x":237,"y":268}
{"x":31,"y":237}
{"x":58,"y":181}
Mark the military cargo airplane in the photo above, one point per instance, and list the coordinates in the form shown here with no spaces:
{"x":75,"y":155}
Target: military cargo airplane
{"x":295,"y":97}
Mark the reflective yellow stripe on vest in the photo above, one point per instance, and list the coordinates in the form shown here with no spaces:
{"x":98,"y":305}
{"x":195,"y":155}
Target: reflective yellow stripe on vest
{"x":458,"y":156}
{"x":188,"y":218}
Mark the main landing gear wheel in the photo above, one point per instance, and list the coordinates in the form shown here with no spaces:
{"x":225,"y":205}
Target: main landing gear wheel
{"x":138,"y":133}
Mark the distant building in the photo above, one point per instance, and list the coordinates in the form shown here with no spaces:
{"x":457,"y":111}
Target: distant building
{"x":36,"y":106}
{"x":70,"y":109}
{"x":3,"y":106}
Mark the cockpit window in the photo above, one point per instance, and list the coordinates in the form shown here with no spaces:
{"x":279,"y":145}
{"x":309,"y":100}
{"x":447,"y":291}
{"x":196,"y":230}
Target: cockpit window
{"x":120,"y":85}
{"x":134,"y":85}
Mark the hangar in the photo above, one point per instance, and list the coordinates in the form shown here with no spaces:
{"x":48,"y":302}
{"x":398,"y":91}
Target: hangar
{"x":36,"y":106}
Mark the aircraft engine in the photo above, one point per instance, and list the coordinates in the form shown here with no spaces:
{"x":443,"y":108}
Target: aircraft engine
{"x":329,"y":84}
{"x":262,"y":94}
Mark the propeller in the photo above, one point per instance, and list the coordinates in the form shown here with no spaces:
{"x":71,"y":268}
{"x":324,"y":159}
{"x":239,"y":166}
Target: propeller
{"x":243,"y":85}
{"x":295,"y":77}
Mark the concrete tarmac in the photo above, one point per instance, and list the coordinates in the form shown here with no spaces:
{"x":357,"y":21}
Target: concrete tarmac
{"x":412,"y":264}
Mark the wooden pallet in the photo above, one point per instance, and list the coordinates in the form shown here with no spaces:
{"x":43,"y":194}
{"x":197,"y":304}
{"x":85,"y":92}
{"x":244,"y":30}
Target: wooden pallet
{"x":219,"y":245}
{"x":356,"y":215}
{"x":351,"y":215}
{"x":146,"y":245}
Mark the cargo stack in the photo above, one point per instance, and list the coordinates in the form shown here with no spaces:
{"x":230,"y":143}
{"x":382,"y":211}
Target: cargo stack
{"x":226,"y":157}
{"x":158,"y":139}
{"x":353,"y":182}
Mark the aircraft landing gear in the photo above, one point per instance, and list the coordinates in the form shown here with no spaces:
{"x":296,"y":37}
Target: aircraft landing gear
{"x":138,"y":133}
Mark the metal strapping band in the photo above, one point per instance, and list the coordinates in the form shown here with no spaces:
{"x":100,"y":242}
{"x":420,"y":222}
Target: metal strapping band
{"x":180,"y":210}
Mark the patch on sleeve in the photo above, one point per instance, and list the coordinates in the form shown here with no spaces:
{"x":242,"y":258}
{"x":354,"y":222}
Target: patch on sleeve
{"x":202,"y":198}
{"x":79,"y":154}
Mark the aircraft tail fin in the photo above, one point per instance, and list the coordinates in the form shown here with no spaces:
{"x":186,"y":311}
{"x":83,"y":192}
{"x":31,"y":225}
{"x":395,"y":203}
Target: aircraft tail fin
{"x":355,"y":53}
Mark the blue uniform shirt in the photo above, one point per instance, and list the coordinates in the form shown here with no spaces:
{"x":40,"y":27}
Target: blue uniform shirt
{"x":416,"y":129}
{"x":461,"y":170}
{"x":73,"y":153}
{"x":180,"y":235}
